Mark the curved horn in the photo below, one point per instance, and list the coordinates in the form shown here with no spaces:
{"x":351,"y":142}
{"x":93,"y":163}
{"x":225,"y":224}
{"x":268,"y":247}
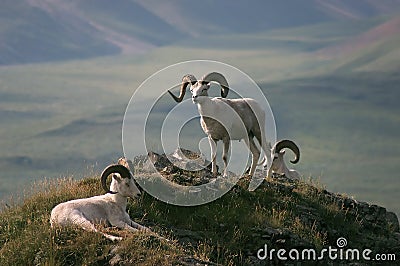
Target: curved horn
{"x":282,"y":144}
{"x":113,"y":168}
{"x":218,"y":77}
{"x":189,"y":78}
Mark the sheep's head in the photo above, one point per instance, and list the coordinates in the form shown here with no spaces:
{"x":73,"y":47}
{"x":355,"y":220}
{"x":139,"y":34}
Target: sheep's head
{"x":199,"y":88}
{"x":277,"y":160}
{"x":122,"y":181}
{"x":278,"y":150}
{"x":199,"y":91}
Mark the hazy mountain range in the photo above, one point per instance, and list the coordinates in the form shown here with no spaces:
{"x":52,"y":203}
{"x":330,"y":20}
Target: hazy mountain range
{"x":50,"y":30}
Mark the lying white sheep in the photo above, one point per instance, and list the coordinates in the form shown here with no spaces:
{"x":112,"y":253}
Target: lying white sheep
{"x":227,"y":119}
{"x":278,"y":163}
{"x":108,"y":209}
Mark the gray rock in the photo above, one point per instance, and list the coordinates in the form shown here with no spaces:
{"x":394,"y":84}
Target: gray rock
{"x":393,"y":221}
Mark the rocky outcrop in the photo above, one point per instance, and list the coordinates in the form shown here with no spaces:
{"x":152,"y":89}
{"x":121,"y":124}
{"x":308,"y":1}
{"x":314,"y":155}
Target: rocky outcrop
{"x":183,"y":167}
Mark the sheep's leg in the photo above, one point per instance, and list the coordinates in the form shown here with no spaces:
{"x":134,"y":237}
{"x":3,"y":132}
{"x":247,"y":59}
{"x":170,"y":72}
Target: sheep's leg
{"x":126,"y":223}
{"x":255,"y":156}
{"x":269,"y":174}
{"x":225,"y":155}
{"x":131,"y":226}
{"x":138,"y":226}
{"x":265,"y":146}
{"x":213,"y":146}
{"x":254,"y":152}
{"x":246,"y":141}
{"x":79,"y":219}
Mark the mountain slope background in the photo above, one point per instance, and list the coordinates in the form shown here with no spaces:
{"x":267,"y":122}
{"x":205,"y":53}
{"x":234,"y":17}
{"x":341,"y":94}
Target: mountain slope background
{"x":47,"y":30}
{"x":328,"y":68}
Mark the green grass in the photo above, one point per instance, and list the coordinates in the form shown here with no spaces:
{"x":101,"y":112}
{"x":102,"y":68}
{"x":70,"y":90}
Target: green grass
{"x":224,"y":231}
{"x":27,"y":239}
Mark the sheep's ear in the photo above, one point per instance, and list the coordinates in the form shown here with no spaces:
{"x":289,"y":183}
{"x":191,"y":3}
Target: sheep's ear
{"x":282,"y":152}
{"x":208,"y":85}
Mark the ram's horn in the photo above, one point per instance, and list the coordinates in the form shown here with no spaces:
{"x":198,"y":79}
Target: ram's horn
{"x":282,"y":144}
{"x":218,"y":77}
{"x":189,"y":78}
{"x":114,"y":168}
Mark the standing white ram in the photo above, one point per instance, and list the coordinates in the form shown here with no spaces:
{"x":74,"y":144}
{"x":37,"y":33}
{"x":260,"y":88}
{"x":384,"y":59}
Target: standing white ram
{"x":228,"y":119}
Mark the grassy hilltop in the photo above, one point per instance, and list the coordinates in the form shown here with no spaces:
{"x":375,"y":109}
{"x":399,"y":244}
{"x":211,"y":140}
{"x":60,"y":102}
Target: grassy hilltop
{"x":228,"y":231}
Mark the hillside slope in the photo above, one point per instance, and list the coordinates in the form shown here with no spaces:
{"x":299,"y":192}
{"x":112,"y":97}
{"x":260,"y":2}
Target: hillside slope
{"x":375,"y":49}
{"x":281,"y":214}
{"x":30,"y":34}
{"x":43,"y":31}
